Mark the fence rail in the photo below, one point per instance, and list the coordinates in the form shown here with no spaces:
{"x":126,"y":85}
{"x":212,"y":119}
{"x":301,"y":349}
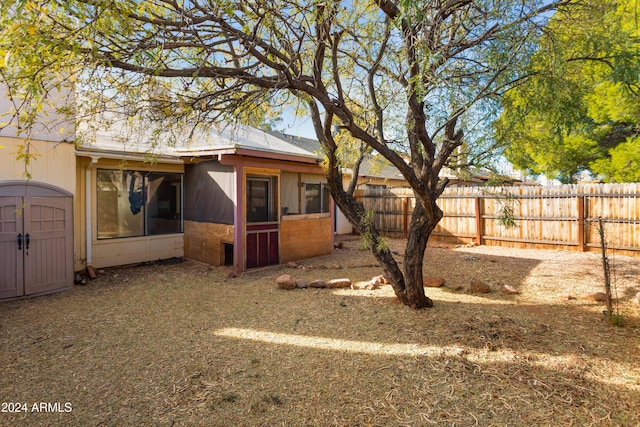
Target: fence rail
{"x":561,"y":217}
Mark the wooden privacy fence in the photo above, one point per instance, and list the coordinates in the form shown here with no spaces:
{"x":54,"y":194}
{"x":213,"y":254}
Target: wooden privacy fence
{"x":560,"y":217}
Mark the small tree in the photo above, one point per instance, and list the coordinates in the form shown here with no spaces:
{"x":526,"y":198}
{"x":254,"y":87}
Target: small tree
{"x":404,"y":78}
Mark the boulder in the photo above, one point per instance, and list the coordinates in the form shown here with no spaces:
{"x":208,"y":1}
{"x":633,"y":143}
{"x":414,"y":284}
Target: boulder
{"x":317,"y":284}
{"x":285,"y":282}
{"x":301,"y":284}
{"x":479,"y":287}
{"x":433,"y":281}
{"x":292,"y":264}
{"x":339,"y":283}
{"x":379,"y":280}
{"x":509,"y":290}
{"x":595,"y":296}
{"x":364,"y":286}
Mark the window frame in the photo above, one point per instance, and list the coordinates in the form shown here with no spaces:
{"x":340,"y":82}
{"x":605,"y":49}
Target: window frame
{"x":324,"y":197}
{"x":270,"y":198}
{"x":147,"y":201}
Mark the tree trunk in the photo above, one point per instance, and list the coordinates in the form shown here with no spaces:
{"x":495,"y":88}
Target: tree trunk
{"x":422,"y":224}
{"x":408,"y":285}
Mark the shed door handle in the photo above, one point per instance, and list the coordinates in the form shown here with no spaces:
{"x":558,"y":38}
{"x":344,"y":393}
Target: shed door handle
{"x":19,"y":241}
{"x":27,"y":238}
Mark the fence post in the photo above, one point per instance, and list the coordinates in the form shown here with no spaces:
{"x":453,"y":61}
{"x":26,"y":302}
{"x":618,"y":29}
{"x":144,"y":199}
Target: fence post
{"x":581,"y":242}
{"x":479,"y":227}
{"x":405,"y":218}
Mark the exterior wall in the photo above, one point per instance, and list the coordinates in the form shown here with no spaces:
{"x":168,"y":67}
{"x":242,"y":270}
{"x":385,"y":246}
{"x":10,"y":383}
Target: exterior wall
{"x":204,"y":241}
{"x":49,"y":125}
{"x":305,"y":236}
{"x":343,"y":226}
{"x":117,"y":251}
{"x":54,"y":162}
{"x":132,"y":250}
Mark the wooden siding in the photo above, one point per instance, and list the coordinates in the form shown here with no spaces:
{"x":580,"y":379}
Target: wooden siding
{"x":307,"y":237}
{"x":563,"y":217}
{"x":204,"y":241}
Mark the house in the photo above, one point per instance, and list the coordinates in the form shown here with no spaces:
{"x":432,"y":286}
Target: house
{"x":234,"y":196}
{"x":270,"y":202}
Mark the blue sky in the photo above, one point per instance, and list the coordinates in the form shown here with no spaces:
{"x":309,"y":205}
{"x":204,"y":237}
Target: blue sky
{"x":299,"y":126}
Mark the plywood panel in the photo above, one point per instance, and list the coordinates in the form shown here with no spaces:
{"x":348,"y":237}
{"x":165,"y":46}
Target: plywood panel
{"x":204,"y":241}
{"x":305,"y":238}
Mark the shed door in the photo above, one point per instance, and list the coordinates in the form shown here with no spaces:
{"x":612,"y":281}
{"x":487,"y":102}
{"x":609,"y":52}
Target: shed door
{"x":36,"y":245}
{"x":11,"y":259}
{"x":48,"y":263}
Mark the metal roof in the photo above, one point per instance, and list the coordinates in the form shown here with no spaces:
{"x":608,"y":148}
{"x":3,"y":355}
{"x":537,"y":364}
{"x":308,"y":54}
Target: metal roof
{"x":117,"y":135}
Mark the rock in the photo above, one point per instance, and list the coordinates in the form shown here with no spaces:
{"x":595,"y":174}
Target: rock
{"x":292,"y":264}
{"x":301,"y":284}
{"x":479,"y":287}
{"x":364,"y":286}
{"x":339,"y":245}
{"x":339,"y":283}
{"x":433,"y":281}
{"x":636,"y":300}
{"x":379,"y":280}
{"x":469,"y":257}
{"x":231,"y":275}
{"x":317,"y":284}
{"x":285,"y":282}
{"x":595,"y":296}
{"x":509,"y":290}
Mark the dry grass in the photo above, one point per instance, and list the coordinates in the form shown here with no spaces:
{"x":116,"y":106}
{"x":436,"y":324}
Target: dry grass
{"x":180,"y":345}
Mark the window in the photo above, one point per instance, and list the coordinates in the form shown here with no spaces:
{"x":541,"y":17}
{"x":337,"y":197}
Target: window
{"x":133,"y":203}
{"x":261,"y":200}
{"x":316,"y":197}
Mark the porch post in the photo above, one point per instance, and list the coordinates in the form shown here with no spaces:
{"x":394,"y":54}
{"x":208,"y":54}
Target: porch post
{"x":238,"y":221}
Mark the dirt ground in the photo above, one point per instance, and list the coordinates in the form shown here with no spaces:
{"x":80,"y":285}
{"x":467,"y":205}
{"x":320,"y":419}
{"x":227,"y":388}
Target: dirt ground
{"x":182,"y":344}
